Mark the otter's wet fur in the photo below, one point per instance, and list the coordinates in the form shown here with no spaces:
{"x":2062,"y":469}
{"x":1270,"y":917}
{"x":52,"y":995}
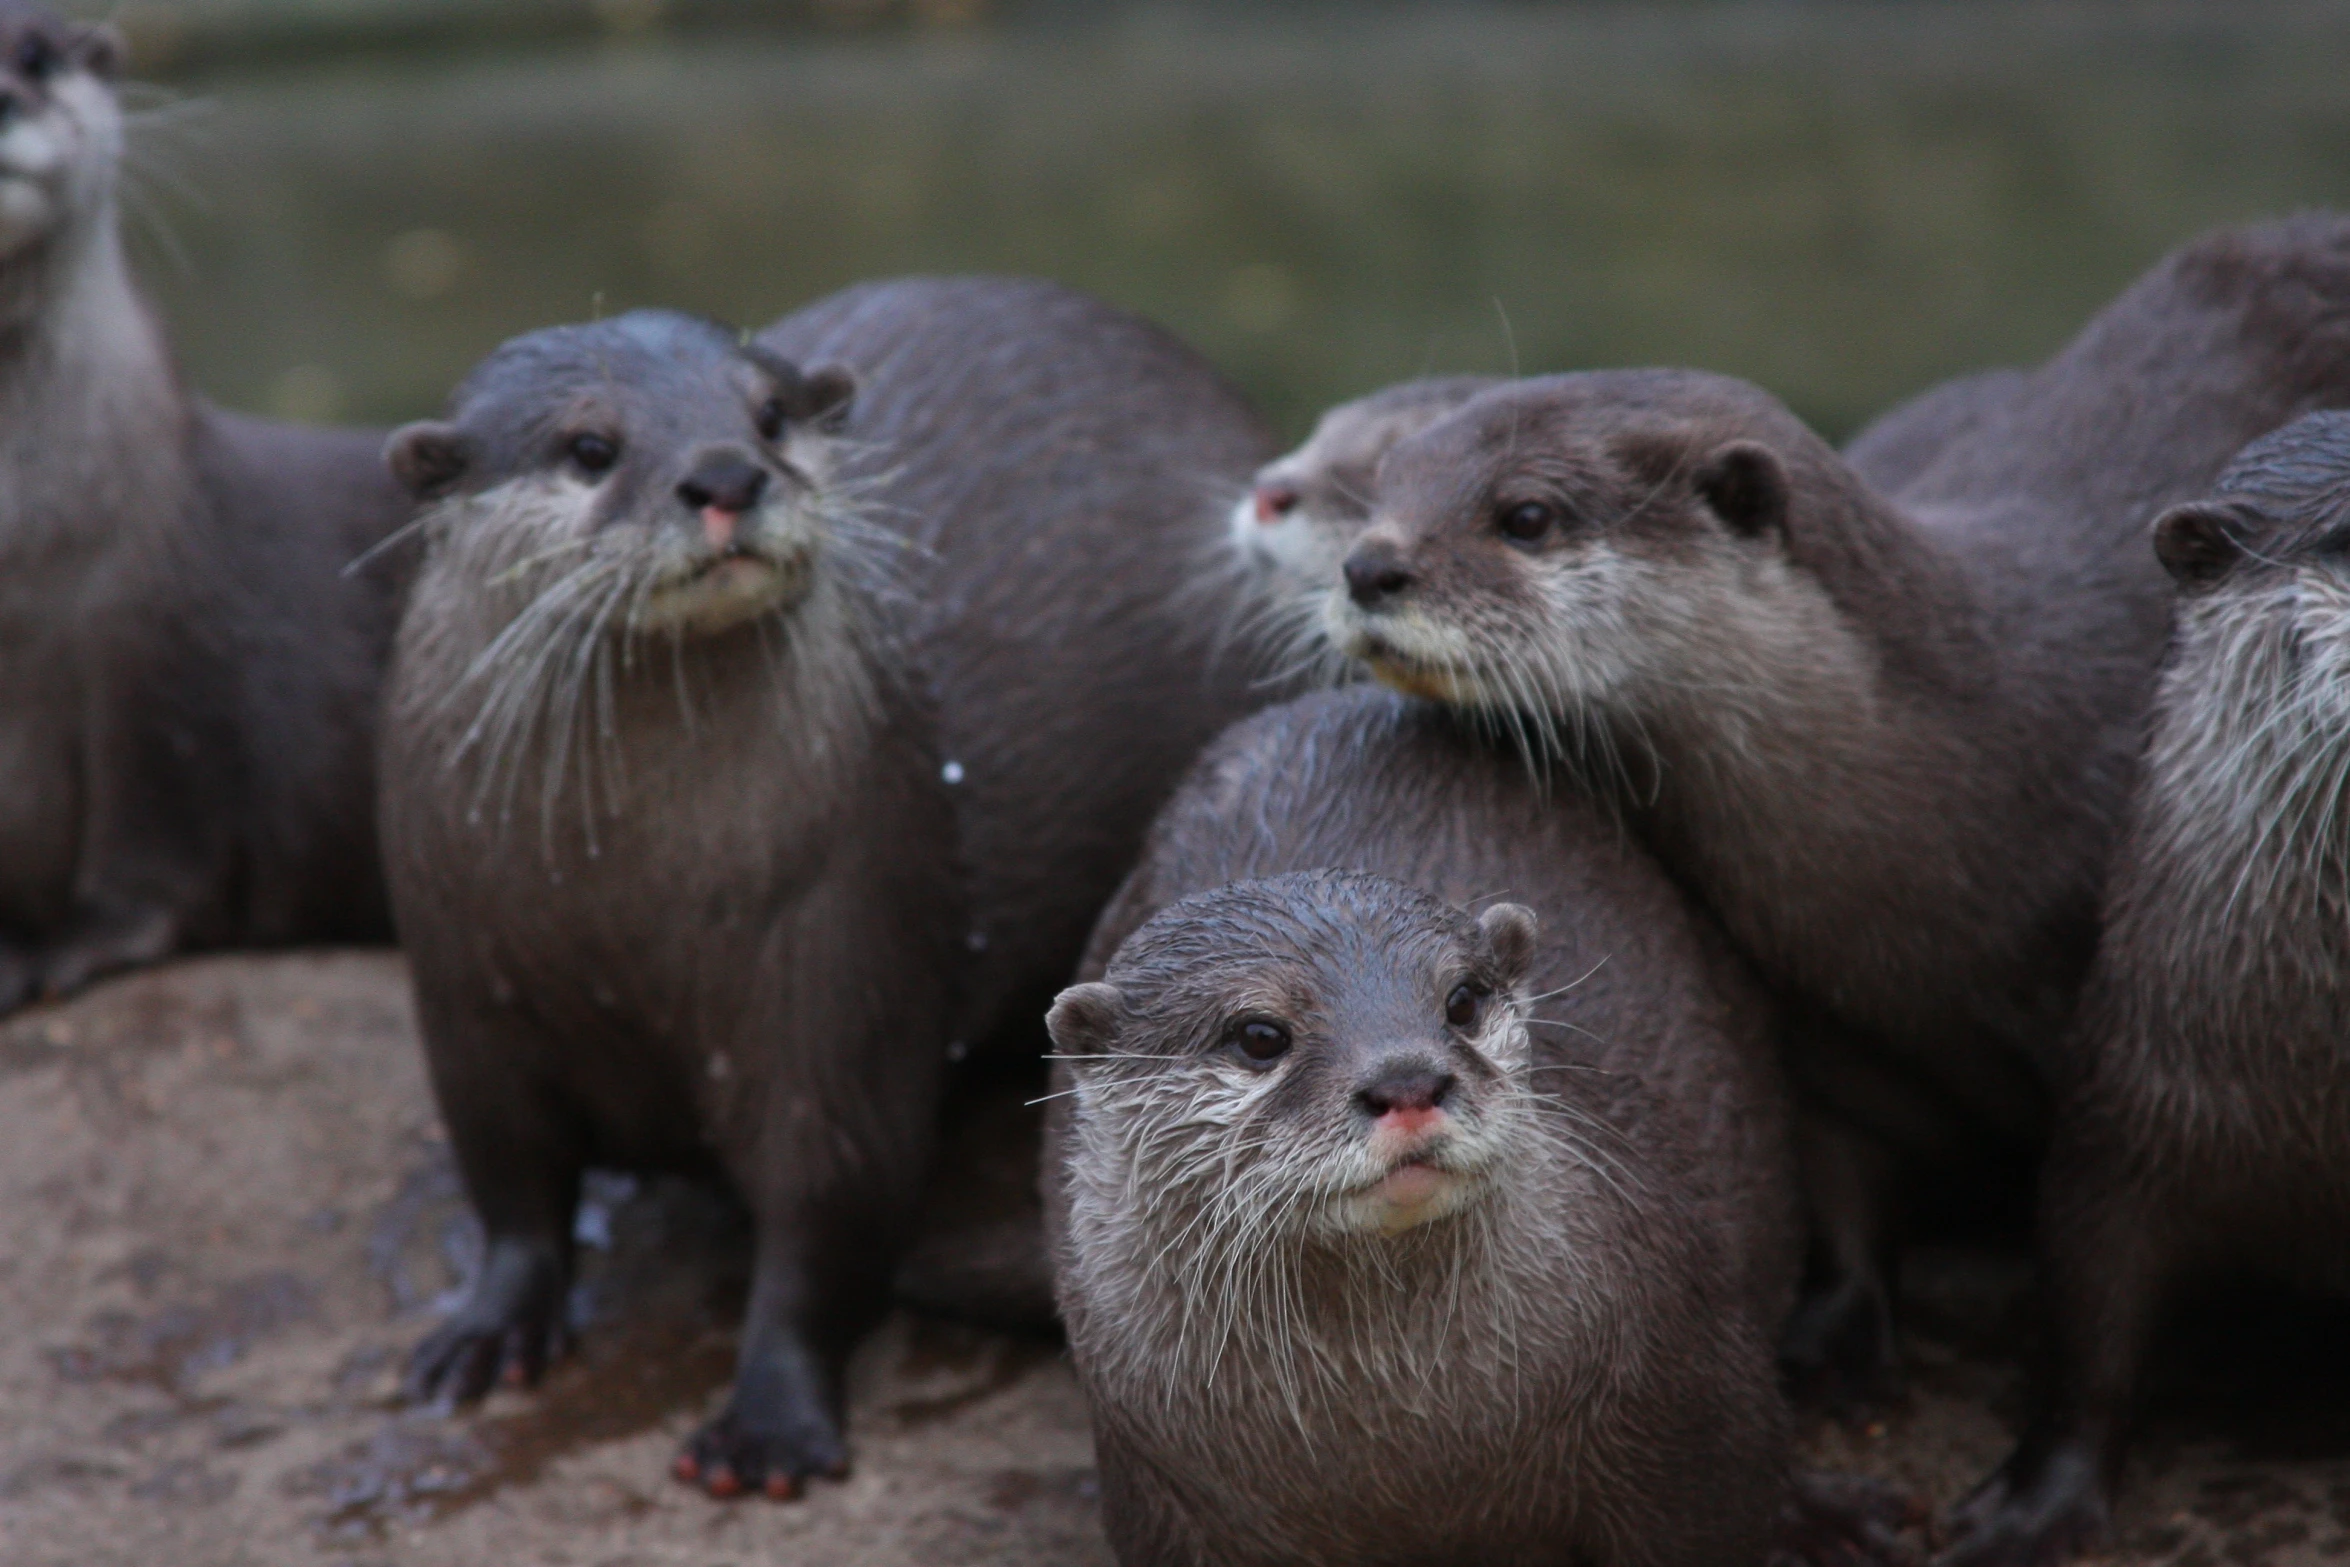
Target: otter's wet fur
{"x":2203,"y":1128}
{"x":1885,"y":739}
{"x":186,"y":751}
{"x":1572,"y":1367}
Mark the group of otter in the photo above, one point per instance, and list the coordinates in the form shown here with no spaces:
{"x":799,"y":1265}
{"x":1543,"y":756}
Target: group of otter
{"x":1486,"y":1087}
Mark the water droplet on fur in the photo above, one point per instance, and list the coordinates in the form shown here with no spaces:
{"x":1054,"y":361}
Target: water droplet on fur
{"x":952,"y":772}
{"x":957,"y":1050}
{"x":976,"y":941}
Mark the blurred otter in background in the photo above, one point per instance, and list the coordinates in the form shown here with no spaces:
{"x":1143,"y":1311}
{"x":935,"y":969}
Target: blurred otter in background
{"x":187,"y":743}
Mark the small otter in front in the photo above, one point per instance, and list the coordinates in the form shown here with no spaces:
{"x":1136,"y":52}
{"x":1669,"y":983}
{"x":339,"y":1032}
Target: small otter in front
{"x":186,"y":744}
{"x":1886,"y":741}
{"x":668,"y":848}
{"x":1389,"y":1234}
{"x":2203,"y":1128}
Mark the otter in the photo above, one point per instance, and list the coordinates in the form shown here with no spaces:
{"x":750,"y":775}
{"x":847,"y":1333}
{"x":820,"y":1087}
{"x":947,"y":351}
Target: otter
{"x":2202,"y":1121}
{"x":1386,"y":1233}
{"x":1885,"y":739}
{"x":761,"y":739}
{"x":1903,"y":442}
{"x":1303,"y":509}
{"x":186,"y":751}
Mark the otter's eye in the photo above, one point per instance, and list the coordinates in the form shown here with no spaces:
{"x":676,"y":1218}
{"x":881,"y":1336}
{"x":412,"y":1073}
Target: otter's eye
{"x":593,"y":453}
{"x":770,"y":419}
{"x":1526,"y":522}
{"x":1260,"y":1041}
{"x":1463,"y":1005}
{"x":37,"y":59}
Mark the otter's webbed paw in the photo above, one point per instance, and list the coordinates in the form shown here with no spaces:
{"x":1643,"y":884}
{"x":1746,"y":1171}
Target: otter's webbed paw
{"x":1840,"y":1520}
{"x":511,"y":1327}
{"x":1839,"y":1353}
{"x":2043,"y":1507}
{"x":778,"y":1430}
{"x":99,"y":944}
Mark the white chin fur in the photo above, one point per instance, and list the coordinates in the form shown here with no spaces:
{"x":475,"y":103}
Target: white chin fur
{"x":1412,"y":654}
{"x":27,"y":212}
{"x":734,"y":593}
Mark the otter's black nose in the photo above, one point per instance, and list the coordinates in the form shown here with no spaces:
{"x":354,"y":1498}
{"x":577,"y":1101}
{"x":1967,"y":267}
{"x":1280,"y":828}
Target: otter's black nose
{"x":1376,"y":571}
{"x":1409,"y":1088}
{"x":724,"y":481}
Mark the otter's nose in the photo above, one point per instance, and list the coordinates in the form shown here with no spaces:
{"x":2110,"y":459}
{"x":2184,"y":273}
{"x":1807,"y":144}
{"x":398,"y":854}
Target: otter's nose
{"x":1376,"y":571}
{"x":723,"y":482}
{"x":1406,"y":1098}
{"x":1274,"y":502}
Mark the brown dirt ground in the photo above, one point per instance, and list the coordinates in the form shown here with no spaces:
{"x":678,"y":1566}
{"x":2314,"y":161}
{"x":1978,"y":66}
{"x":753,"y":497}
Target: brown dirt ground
{"x":226,"y":1211}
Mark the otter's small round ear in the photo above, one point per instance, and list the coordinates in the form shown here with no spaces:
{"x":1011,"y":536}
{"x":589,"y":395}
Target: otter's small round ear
{"x":98,"y":48}
{"x":1084,"y":1020}
{"x":824,"y":396}
{"x":428,"y":457}
{"x":1510,"y":928}
{"x":2201,"y":542}
{"x":1745,"y":485}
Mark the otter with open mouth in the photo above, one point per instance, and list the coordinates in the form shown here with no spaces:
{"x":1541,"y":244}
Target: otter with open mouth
{"x":2203,"y":1129}
{"x":1885,"y":739}
{"x":1390,"y":1234}
{"x":186,"y":745}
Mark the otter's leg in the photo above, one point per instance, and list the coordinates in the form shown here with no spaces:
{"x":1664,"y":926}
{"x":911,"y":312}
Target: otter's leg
{"x":520,"y":1152}
{"x":2109,"y":1249}
{"x":1839,"y":1348}
{"x":834,"y":1190}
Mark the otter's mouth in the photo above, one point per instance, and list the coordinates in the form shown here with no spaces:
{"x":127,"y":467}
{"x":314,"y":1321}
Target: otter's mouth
{"x":1409,"y":673}
{"x":725,"y":588}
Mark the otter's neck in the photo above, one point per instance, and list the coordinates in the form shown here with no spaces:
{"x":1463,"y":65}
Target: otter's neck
{"x":2238,"y":866}
{"x":91,"y":418}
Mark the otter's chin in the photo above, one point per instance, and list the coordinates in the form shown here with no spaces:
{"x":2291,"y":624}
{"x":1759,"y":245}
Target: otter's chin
{"x":1411,"y":1194}
{"x":28,"y":210}
{"x":726,"y":593}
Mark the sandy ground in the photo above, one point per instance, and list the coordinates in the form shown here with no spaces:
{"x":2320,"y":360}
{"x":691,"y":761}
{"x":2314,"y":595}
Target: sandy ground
{"x":226,"y":1211}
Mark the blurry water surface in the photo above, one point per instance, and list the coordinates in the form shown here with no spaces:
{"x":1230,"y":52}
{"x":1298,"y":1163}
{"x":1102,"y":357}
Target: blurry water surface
{"x":1840,"y":201}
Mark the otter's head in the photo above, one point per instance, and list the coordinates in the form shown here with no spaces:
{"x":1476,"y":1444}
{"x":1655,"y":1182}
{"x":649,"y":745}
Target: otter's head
{"x":60,"y":128}
{"x":1571,"y":544}
{"x":1313,"y":1056}
{"x":1294,"y":527}
{"x":2263,"y":569}
{"x":650,"y":473}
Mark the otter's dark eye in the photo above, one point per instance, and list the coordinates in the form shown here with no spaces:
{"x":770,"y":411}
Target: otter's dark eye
{"x":37,"y":59}
{"x":1463,"y":1005}
{"x":770,"y":419}
{"x":593,"y":453}
{"x":1260,"y":1041}
{"x":1526,"y":522}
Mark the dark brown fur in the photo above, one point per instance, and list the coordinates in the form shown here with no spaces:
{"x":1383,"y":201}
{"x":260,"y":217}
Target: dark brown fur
{"x":1650,"y":1431}
{"x":186,"y":750}
{"x":789,"y":865}
{"x":1886,"y":739}
{"x":2203,"y":1128}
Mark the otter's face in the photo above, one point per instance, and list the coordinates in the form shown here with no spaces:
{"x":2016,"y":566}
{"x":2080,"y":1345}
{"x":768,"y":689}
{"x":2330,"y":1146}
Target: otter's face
{"x":60,"y":129}
{"x":2267,"y":598}
{"x":1294,"y":527}
{"x":645,"y":474}
{"x":1546,"y":551}
{"x":1320,"y":1056}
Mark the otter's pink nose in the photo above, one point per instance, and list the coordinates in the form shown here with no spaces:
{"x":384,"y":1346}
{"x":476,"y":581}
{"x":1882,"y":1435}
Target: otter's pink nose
{"x":1274,"y":502}
{"x":718,"y":526}
{"x":1407,"y":1101}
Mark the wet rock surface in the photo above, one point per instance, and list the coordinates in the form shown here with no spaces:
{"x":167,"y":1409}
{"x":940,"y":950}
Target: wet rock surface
{"x":226,"y":1212}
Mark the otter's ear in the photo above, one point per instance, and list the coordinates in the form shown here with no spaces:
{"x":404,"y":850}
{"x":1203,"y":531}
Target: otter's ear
{"x":1510,"y":928}
{"x":2201,"y":542}
{"x":98,"y":49}
{"x":824,"y":396}
{"x":428,"y":458}
{"x":1744,"y":484}
{"x":1084,"y":1020}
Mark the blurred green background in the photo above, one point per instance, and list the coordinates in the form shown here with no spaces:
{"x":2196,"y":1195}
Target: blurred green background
{"x":344,"y":203}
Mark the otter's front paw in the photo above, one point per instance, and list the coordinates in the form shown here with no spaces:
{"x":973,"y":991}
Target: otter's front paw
{"x":510,"y":1328}
{"x":1839,"y":1353}
{"x":2037,"y":1511}
{"x":1841,"y":1520}
{"x":103,"y":943}
{"x":774,"y":1452}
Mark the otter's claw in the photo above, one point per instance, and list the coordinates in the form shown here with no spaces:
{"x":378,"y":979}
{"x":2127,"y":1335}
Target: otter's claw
{"x":731,"y":1456}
